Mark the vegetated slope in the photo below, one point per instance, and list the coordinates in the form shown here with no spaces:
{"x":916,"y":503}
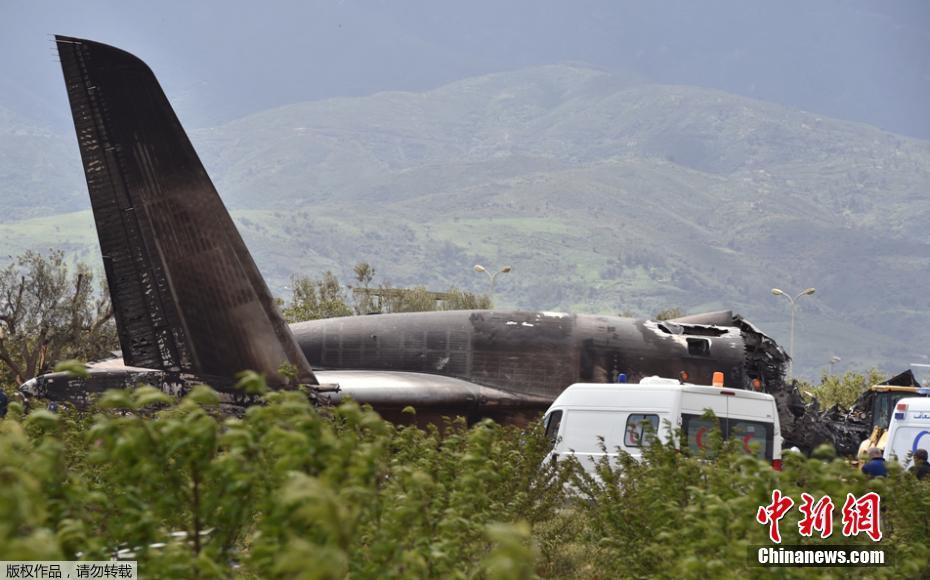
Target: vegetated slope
{"x":40,"y":172}
{"x":606,"y":194}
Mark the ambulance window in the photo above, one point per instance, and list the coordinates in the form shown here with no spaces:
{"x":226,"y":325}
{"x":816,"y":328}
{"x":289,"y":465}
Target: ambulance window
{"x":697,"y":430}
{"x":640,"y":430}
{"x":553,"y":420}
{"x":753,"y":437}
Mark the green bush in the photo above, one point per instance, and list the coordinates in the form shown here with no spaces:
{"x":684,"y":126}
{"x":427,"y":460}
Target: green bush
{"x":843,"y":389}
{"x":289,"y":490}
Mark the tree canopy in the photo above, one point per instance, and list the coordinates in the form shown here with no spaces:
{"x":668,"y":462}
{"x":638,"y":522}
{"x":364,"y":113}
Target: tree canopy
{"x":50,"y":312}
{"x":312,"y":299}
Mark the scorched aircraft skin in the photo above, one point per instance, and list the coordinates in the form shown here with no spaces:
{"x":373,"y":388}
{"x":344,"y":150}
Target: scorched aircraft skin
{"x":541,"y":353}
{"x":191,"y":306}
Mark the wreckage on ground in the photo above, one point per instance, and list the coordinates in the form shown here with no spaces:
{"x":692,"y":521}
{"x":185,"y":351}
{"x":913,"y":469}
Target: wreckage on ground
{"x":850,"y":431}
{"x":191,"y":306}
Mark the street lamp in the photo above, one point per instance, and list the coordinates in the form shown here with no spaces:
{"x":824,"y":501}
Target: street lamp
{"x":493,"y":277}
{"x":833,"y":360}
{"x":794,"y":308}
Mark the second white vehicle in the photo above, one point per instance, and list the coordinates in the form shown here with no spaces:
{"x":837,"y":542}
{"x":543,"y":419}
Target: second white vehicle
{"x":909,"y":430}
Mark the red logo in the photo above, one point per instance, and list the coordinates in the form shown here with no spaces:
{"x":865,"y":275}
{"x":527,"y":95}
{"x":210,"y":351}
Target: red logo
{"x":773,"y":513}
{"x":817,"y":517}
{"x":862,"y":515}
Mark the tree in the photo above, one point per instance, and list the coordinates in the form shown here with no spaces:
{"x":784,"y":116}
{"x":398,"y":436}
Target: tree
{"x":419,"y":299}
{"x":462,"y":300}
{"x":314,"y":299}
{"x":843,"y":389}
{"x":669,"y":313}
{"x":409,"y":300}
{"x":48,"y":314}
{"x":364,"y":274}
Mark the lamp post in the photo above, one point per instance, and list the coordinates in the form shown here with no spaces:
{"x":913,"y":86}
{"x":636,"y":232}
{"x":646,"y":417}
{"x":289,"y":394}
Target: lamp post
{"x":493,"y":277}
{"x":794,"y":308}
{"x":833,"y":360}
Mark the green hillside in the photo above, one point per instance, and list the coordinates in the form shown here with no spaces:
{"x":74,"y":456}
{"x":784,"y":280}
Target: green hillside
{"x":40,"y":172}
{"x":605,"y":194}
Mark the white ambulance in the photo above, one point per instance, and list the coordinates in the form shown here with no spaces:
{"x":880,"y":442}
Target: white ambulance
{"x":625,"y":414}
{"x":909,"y":430}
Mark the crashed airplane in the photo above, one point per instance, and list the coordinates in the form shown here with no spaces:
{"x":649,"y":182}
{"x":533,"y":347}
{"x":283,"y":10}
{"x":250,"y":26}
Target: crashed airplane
{"x":191,"y":306}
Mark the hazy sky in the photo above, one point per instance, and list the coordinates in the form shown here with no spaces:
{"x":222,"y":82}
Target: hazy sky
{"x":854,"y":59}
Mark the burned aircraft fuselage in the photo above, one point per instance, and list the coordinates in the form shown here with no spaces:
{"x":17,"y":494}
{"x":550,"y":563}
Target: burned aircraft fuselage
{"x":533,"y":353}
{"x":505,"y":365}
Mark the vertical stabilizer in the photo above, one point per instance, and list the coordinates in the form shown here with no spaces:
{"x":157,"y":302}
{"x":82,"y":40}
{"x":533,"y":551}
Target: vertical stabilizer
{"x":186,"y":293}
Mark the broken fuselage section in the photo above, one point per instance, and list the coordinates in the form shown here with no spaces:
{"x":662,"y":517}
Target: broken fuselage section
{"x":505,"y":365}
{"x":541,"y":353}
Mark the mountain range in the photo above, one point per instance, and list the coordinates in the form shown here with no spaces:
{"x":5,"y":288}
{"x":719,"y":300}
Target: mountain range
{"x":606,"y":193}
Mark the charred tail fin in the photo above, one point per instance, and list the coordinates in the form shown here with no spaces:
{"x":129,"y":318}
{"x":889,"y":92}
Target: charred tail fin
{"x":186,"y":293}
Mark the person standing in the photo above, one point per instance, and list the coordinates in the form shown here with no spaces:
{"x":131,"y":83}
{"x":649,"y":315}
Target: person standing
{"x":876,"y":465}
{"x":921,"y":468}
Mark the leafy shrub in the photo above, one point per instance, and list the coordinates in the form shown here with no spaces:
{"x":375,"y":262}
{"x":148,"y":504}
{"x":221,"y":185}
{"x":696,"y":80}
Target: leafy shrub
{"x":843,"y":389}
{"x":289,"y":490}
